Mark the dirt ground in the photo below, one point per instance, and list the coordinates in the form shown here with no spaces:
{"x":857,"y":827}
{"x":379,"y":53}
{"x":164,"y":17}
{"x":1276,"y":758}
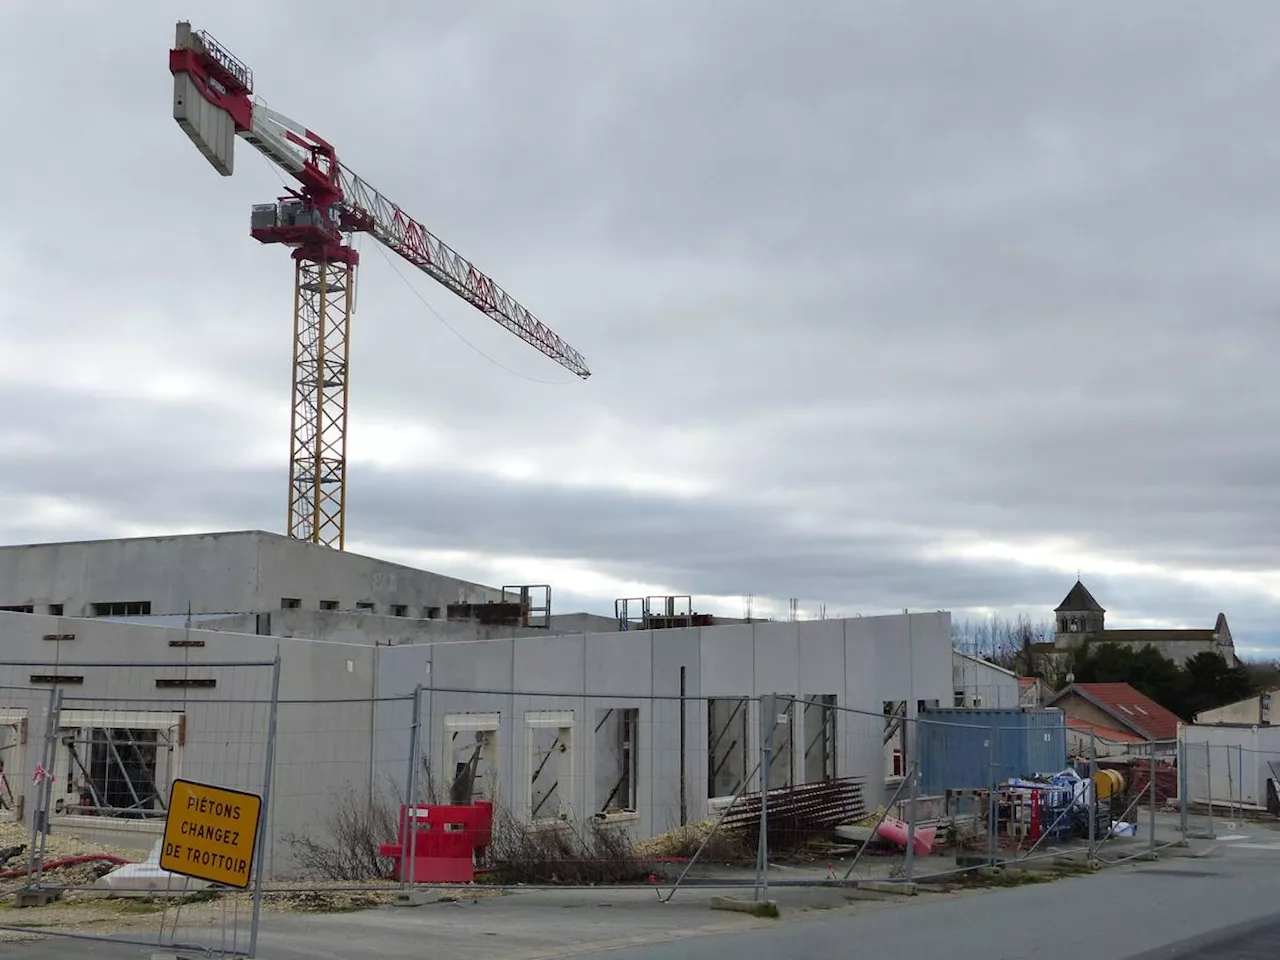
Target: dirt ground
{"x":82,"y":910}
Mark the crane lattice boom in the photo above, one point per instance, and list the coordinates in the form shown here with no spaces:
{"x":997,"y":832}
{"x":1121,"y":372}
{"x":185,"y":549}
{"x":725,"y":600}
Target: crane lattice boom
{"x":213,"y":104}
{"x":364,"y":208}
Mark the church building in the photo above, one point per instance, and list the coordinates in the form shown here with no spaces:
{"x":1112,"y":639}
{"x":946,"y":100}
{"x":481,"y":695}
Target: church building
{"x":1079,"y":619}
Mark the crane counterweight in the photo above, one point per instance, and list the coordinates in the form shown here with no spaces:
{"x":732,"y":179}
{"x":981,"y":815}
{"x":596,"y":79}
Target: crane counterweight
{"x":213,"y":104}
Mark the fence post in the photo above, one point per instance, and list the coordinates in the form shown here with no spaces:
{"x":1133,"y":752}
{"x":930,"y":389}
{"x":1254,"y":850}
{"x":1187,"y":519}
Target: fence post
{"x":1182,"y":788}
{"x":410,"y":825}
{"x":1151,"y":799}
{"x":1240,"y":779}
{"x":913,"y":794}
{"x":1093,"y":792}
{"x":268,"y":770}
{"x":46,"y":788}
{"x":768,"y":719}
{"x":993,"y":799}
{"x":40,"y":813}
{"x":1208,"y":776}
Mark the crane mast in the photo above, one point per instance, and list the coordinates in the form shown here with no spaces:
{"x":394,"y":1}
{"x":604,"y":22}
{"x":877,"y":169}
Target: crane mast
{"x":213,"y":104}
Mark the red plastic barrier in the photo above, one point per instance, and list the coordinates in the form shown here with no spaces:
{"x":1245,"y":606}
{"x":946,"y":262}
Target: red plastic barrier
{"x":447,"y":839}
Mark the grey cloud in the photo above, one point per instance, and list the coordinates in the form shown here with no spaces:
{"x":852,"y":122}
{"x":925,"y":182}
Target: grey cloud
{"x":990,"y":270}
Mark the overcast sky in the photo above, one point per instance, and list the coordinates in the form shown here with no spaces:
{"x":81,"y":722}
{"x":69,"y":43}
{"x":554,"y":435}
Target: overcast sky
{"x":925,"y":305}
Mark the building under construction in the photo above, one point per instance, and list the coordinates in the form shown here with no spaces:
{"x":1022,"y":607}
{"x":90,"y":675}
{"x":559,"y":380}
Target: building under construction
{"x":562,"y":717}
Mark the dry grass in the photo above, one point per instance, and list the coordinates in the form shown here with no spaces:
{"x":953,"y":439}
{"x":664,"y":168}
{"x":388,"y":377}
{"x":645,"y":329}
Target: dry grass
{"x":347,"y":849}
{"x":725,"y":846}
{"x":562,"y":852}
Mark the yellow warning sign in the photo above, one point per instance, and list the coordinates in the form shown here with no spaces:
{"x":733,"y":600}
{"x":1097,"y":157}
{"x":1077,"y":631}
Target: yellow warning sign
{"x":210,"y":833}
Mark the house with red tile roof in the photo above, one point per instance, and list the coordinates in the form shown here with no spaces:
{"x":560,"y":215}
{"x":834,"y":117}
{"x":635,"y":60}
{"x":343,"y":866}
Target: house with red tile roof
{"x":1118,"y":706}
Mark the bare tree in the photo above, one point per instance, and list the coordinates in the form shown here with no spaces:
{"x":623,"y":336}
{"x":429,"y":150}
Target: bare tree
{"x":1008,"y":643}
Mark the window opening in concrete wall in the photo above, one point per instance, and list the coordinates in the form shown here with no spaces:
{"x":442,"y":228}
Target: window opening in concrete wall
{"x":399,"y":610}
{"x":18,"y":608}
{"x":290,"y":603}
{"x":471,"y":756}
{"x":365,"y":606}
{"x":13,"y":737}
{"x":820,"y":737}
{"x":616,"y":759}
{"x":122,"y":608}
{"x":550,"y":757}
{"x":433,"y":613}
{"x":328,"y":604}
{"x":781,"y":766}
{"x":117,"y":764}
{"x":726,"y":745}
{"x":957,"y":698}
{"x":55,"y":609}
{"x":895,"y":713}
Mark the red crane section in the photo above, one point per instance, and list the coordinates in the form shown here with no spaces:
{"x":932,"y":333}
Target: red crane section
{"x":213,"y":104}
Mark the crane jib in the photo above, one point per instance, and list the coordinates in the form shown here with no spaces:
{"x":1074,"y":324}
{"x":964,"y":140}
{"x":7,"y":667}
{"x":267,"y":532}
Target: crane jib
{"x":214,"y":105}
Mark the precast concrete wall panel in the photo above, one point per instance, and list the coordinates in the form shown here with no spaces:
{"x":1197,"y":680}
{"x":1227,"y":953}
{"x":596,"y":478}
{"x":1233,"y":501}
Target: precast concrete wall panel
{"x":777,"y":658}
{"x":727,"y":664}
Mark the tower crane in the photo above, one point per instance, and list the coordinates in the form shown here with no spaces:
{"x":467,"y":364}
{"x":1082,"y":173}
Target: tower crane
{"x":213,"y":104}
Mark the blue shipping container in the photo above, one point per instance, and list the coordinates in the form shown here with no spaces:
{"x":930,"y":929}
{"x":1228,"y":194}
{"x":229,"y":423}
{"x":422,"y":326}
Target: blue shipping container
{"x":963,"y":749}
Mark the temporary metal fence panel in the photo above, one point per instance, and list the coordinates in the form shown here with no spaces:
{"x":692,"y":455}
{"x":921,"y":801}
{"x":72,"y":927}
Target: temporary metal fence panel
{"x":970,"y":749}
{"x":586,"y":789}
{"x":110,"y":740}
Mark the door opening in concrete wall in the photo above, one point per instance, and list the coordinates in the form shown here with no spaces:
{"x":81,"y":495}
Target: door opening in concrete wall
{"x":111,"y":770}
{"x":13,"y":737}
{"x":895,"y":731}
{"x":616,"y":759}
{"x":781,"y":757}
{"x":726,"y":745}
{"x":819,"y":737}
{"x":471,"y":756}
{"x":549,"y":735}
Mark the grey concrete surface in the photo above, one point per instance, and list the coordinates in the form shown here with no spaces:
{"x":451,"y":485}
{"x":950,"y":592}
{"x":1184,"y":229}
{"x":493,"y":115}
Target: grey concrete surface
{"x":1222,"y":899}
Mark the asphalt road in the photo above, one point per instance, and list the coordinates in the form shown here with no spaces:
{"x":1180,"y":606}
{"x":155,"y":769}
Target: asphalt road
{"x":1227,"y":905}
{"x":1223,"y":905}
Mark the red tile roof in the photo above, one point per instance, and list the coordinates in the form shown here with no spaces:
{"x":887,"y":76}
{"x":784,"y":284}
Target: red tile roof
{"x":1134,"y":710}
{"x":1109,"y":734}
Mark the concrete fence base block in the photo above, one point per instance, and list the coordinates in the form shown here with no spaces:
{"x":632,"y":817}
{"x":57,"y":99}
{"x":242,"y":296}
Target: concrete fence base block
{"x":36,"y":896}
{"x":885,"y":886}
{"x":757,"y":908}
{"x":1149,"y":856}
{"x":415,"y":898}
